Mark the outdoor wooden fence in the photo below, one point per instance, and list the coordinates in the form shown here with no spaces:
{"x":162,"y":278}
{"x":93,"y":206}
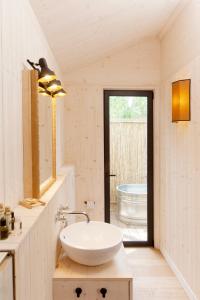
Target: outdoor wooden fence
{"x":128,"y":154}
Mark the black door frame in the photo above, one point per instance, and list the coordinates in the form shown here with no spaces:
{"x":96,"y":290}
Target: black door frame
{"x":150,"y":176}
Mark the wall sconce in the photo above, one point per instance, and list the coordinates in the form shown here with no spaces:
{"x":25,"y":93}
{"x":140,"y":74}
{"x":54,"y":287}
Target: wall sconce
{"x":48,"y":85}
{"x":44,"y":73}
{"x":60,"y":93}
{"x":41,"y":88}
{"x":44,"y":93}
{"x":54,"y":86}
{"x":181,"y":100}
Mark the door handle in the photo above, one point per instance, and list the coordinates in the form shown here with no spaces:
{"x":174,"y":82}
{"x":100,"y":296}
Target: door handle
{"x":112,"y":175}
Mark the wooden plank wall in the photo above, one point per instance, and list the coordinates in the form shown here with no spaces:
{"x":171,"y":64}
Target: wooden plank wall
{"x":35,"y":258}
{"x":21,"y":38}
{"x":137,"y":67}
{"x":84,"y":146}
{"x":1,"y":120}
{"x":180,"y":152}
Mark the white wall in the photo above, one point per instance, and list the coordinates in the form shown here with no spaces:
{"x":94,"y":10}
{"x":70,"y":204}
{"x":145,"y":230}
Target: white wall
{"x":21,"y":38}
{"x":179,"y":151}
{"x":137,"y":67}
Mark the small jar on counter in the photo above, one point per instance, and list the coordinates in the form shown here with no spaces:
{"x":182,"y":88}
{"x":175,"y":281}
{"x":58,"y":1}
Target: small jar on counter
{"x":18,"y":226}
{"x":2,"y":211}
{"x":12,"y":221}
{"x":8,"y":217}
{"x":3,"y":229}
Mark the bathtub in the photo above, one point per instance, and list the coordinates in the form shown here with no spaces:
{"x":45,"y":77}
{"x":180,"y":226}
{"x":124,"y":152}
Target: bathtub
{"x":132,"y":203}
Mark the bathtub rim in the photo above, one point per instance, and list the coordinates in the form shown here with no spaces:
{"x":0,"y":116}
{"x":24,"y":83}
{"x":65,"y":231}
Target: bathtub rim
{"x":131,"y":193}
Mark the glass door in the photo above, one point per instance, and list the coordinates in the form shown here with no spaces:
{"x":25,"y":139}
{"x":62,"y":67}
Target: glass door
{"x":128,"y":153}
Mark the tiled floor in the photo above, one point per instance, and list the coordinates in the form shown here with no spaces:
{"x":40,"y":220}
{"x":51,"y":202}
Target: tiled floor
{"x":130,"y":232}
{"x":152,"y":277}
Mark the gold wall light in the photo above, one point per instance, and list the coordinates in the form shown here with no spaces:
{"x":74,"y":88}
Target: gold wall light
{"x":54,"y":85}
{"x":48,"y":85}
{"x":60,"y":93}
{"x":181,"y":100}
{"x":44,"y":73}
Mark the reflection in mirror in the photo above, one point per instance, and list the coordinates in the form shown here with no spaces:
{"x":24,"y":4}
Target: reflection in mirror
{"x":45,"y":138}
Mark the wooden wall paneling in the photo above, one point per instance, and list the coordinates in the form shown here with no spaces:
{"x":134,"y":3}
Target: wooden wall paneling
{"x":84,"y":117}
{"x":83,"y":104}
{"x":36,"y":256}
{"x":22,"y":276}
{"x":2,"y":185}
{"x":12,"y":107}
{"x":180,"y":171}
{"x":21,"y":38}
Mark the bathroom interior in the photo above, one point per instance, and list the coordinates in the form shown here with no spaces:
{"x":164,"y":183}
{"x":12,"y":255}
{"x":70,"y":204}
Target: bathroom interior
{"x":99,"y":149}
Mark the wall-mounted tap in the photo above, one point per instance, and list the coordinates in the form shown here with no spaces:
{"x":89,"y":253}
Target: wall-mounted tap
{"x":64,"y":211}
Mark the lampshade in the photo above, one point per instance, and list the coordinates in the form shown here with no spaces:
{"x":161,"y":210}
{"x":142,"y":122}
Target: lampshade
{"x":45,"y":74}
{"x":41,"y":87}
{"x":54,"y":86}
{"x":44,"y":93}
{"x":60,"y":93}
{"x":181,"y":100}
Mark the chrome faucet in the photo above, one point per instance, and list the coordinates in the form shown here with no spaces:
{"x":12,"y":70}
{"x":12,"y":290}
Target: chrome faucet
{"x":63,"y":212}
{"x":79,"y":213}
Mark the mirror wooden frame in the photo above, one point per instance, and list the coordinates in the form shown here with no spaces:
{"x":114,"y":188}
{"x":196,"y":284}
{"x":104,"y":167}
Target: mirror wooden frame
{"x":39,"y":189}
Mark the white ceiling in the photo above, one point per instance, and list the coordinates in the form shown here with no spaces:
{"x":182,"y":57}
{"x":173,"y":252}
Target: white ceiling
{"x":82,"y":31}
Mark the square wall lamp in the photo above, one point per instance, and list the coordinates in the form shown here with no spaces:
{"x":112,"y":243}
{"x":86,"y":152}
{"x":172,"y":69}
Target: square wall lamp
{"x":181,"y":100}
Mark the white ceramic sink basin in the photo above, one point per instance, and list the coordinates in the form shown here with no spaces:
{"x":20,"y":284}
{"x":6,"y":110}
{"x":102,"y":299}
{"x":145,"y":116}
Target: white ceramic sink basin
{"x":92,"y":243}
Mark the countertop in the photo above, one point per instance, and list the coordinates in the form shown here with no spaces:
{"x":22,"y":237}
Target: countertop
{"x":29,"y":217}
{"x":117,"y":268}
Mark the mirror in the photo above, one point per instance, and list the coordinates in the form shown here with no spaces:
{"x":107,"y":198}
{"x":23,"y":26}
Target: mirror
{"x":45,"y":138}
{"x":39,"y":138}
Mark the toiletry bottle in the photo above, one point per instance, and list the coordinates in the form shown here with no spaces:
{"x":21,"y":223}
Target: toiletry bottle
{"x":1,"y":211}
{"x":8,"y":217}
{"x":18,"y":226}
{"x":3,"y":229}
{"x":12,"y":221}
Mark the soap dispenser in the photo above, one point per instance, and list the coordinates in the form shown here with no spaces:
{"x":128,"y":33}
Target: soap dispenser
{"x":1,"y":211}
{"x":8,"y":217}
{"x":3,"y":229}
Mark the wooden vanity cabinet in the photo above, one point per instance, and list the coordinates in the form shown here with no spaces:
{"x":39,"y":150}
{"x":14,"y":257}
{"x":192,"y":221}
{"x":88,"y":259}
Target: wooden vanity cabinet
{"x":111,"y":281}
{"x":91,"y":289}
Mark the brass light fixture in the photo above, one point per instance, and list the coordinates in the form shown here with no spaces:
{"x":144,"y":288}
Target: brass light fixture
{"x":45,"y":93}
{"x":59,"y":93}
{"x":48,"y":85}
{"x":45,"y":74}
{"x":181,"y":100}
{"x":54,"y":86}
{"x":41,"y":88}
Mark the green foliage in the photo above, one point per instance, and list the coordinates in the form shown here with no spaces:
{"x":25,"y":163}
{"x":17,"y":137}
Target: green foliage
{"x":128,"y":108}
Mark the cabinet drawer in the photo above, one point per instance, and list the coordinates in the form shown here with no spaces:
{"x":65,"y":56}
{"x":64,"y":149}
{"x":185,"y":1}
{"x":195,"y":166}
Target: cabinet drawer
{"x":91,"y":289}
